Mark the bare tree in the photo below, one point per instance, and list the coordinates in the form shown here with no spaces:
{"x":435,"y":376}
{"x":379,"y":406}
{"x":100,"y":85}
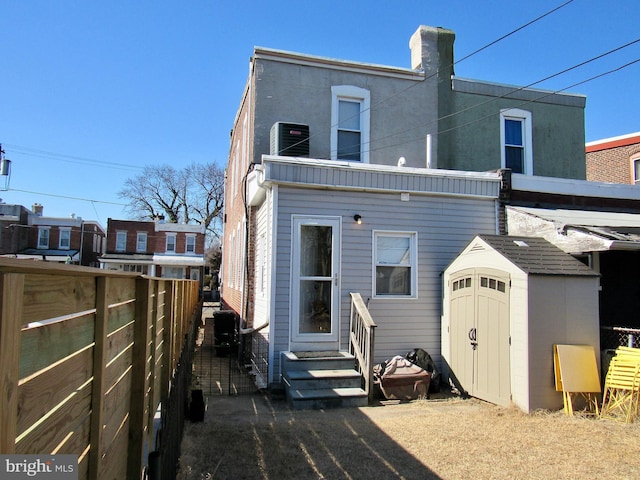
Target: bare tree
{"x":194,"y":194}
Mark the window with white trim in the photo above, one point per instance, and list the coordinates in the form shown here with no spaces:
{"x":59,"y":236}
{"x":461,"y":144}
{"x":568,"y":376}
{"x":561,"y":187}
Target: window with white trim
{"x":141,"y":242}
{"x":350,"y":107}
{"x":516,"y":140}
{"x":64,"y":243}
{"x":635,"y":169}
{"x":395,"y":264}
{"x":43,"y":237}
{"x":121,"y":241}
{"x":171,"y":243}
{"x":190,"y":245}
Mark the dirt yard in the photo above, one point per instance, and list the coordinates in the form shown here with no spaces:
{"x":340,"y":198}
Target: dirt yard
{"x":255,"y":437}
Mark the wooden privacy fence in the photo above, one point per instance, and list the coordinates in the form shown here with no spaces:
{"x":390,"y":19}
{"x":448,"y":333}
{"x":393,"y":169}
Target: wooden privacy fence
{"x":86,"y":357}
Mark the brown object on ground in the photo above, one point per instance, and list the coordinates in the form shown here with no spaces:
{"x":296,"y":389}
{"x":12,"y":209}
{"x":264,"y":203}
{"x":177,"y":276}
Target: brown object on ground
{"x":256,"y":437}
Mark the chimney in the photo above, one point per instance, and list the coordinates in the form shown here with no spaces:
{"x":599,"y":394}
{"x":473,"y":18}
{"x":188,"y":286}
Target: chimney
{"x":432,"y":51}
{"x":37,"y":209}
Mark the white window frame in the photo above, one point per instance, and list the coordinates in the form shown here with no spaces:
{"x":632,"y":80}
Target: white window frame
{"x":525,"y":117}
{"x":633,"y":160}
{"x":169,"y":237}
{"x":139,"y":237}
{"x":65,"y":234}
{"x":352,"y":94}
{"x":190,"y":240}
{"x":121,"y":241}
{"x":413,"y":262}
{"x":44,"y":234}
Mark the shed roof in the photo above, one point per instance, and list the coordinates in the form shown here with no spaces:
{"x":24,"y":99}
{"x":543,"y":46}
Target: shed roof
{"x":537,"y":256}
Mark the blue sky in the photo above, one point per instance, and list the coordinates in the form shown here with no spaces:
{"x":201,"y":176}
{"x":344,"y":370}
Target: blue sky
{"x":91,"y":92}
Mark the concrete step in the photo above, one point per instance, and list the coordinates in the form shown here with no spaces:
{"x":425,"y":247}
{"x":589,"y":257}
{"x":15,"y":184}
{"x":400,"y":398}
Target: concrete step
{"x":322,"y":379}
{"x":317,"y":361}
{"x":326,"y":398}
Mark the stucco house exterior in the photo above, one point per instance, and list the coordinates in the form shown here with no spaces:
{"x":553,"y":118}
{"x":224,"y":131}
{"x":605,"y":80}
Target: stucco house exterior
{"x":350,"y":177}
{"x":615,"y":159}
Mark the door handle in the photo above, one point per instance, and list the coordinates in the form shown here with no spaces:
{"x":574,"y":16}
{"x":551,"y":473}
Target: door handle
{"x":472,"y":334}
{"x":472,"y":337}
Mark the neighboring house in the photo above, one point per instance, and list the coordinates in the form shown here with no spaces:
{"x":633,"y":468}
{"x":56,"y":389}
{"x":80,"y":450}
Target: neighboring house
{"x":156,"y":248}
{"x":596,"y":222}
{"x":615,"y":159}
{"x":29,"y":234}
{"x":349,"y":177}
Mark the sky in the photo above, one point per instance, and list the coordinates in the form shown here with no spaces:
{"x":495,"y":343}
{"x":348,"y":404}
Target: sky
{"x":92,"y":92}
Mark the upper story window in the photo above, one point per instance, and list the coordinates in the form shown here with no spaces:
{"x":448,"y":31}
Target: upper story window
{"x":635,"y":169}
{"x":190,"y":246}
{"x":516,"y":140}
{"x":350,"y":107}
{"x":65,"y":239}
{"x":43,"y":237}
{"x":171,"y":243}
{"x":395,"y":265}
{"x":121,"y":241}
{"x":141,"y":242}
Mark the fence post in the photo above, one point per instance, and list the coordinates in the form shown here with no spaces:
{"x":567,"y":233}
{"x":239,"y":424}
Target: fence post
{"x":99,"y":366}
{"x":139,"y":379}
{"x":11,"y":296}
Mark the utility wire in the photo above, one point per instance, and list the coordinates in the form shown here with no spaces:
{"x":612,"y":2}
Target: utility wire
{"x":67,"y":197}
{"x":511,"y":92}
{"x":547,"y":94}
{"x":399,"y":92}
{"x":69,"y":158}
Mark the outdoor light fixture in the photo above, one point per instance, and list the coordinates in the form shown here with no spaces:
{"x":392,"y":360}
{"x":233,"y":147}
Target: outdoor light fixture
{"x":358,"y":219}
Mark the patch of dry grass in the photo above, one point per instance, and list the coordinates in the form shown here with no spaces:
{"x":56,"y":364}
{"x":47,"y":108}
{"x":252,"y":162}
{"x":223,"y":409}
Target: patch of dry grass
{"x":253,"y":437}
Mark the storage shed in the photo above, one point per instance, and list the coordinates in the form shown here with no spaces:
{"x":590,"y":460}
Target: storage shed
{"x":507,"y":301}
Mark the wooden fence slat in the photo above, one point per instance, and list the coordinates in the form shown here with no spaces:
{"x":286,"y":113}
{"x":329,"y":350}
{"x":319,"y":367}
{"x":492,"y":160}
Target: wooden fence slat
{"x":99,"y":362}
{"x":139,"y":380}
{"x":11,"y":294}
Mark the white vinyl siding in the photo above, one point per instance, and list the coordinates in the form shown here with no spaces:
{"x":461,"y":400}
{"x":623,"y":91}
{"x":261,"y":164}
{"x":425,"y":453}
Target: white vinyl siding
{"x":443,"y":226}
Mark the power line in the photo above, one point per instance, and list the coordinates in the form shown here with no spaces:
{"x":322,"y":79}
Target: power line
{"x":371,"y":107}
{"x":69,"y":158}
{"x":68,"y":197}
{"x":511,"y":92}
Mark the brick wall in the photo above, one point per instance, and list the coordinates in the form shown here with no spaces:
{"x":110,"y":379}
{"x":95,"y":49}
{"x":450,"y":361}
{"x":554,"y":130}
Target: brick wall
{"x":612,"y":164}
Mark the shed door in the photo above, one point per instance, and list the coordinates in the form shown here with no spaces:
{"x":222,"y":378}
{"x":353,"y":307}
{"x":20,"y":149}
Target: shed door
{"x":479,"y":333}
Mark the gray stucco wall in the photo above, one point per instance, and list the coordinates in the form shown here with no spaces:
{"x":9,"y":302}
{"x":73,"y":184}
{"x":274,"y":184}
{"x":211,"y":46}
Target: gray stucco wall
{"x":473,"y":143}
{"x":403,"y":107}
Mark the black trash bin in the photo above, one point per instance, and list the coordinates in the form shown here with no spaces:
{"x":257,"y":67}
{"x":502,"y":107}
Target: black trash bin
{"x":225,"y":332}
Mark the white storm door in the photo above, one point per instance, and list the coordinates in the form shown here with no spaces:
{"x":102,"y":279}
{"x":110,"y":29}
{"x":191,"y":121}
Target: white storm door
{"x":315,"y":283}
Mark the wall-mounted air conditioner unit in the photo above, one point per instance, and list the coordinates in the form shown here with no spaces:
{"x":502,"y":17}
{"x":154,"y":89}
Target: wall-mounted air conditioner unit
{"x":289,"y":139}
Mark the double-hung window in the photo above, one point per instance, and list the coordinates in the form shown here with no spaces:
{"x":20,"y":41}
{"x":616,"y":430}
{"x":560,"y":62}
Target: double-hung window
{"x":141,"y":242}
{"x":171,"y":243}
{"x":350,"y":109}
{"x":190,"y":246}
{"x":395,"y":266}
{"x":43,"y":237}
{"x":64,"y":242}
{"x":516,"y":139}
{"x":121,"y":241}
